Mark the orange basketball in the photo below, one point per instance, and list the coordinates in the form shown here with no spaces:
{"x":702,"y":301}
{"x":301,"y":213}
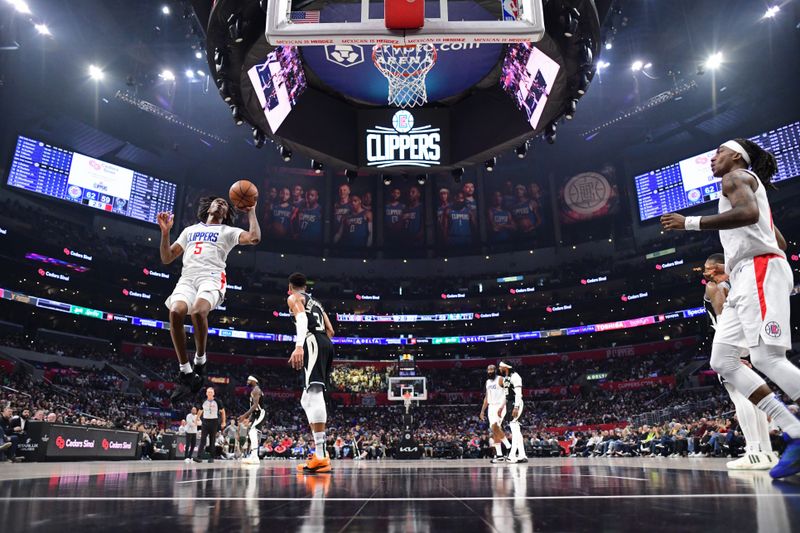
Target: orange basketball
{"x":243,"y":194}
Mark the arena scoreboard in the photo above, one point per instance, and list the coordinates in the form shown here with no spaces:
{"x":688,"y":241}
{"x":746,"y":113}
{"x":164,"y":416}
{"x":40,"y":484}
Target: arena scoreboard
{"x":406,"y":365}
{"x":689,"y":182}
{"x":66,"y":175}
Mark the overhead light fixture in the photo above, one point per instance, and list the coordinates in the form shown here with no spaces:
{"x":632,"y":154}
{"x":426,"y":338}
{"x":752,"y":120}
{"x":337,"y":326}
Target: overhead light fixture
{"x":522,"y":150}
{"x":190,"y":73}
{"x":236,"y":113}
{"x":286,"y":153}
{"x":583,"y":84}
{"x":571,"y":19}
{"x":636,"y":66}
{"x":42,"y":29}
{"x":235,"y":28}
{"x":490,"y":164}
{"x":457,"y":173}
{"x":586,"y":55}
{"x":714,"y":61}
{"x":166,"y":10}
{"x":602,"y":65}
{"x":167,"y":75}
{"x":351,"y":175}
{"x":21,"y":6}
{"x":648,"y":65}
{"x":225,"y":90}
{"x":550,"y":133}
{"x":387,"y":179}
{"x":201,"y":73}
{"x":422,"y":178}
{"x":572,"y":106}
{"x":316,"y":166}
{"x":771,"y":12}
{"x":198,"y":55}
{"x":96,"y":73}
{"x":258,"y":138}
{"x":609,"y":45}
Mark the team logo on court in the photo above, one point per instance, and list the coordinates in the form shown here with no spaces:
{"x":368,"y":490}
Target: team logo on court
{"x":773,"y":329}
{"x":344,"y":55}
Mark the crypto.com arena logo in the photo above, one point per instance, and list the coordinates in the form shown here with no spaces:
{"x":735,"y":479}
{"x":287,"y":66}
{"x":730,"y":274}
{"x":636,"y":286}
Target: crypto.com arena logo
{"x":344,"y":55}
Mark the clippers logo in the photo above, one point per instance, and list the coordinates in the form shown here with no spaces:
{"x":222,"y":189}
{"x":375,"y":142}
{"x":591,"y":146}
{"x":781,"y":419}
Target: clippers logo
{"x":773,"y":329}
{"x":403,"y":144}
{"x":60,"y":443}
{"x":344,"y":55}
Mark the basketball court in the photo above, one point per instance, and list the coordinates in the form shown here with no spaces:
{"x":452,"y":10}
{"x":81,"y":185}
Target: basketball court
{"x":458,"y":495}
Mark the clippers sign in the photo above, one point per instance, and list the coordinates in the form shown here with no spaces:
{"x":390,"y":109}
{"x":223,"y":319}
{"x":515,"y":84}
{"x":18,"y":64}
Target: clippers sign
{"x":393,"y":138}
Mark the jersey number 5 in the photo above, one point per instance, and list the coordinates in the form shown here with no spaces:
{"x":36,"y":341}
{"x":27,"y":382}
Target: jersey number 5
{"x":198,"y":248}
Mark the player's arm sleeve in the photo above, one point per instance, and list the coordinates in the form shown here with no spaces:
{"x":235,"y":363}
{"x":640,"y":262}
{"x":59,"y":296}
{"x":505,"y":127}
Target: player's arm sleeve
{"x":517,"y":381}
{"x":232,"y":236}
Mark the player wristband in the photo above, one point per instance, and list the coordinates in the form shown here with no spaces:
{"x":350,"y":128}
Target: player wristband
{"x":692,"y":224}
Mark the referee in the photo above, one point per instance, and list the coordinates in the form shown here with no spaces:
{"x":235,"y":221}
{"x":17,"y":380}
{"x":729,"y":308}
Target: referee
{"x":211,"y":413}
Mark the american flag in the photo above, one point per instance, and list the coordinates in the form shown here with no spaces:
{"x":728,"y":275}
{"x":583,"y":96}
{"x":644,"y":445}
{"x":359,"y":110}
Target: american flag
{"x":304,"y":17}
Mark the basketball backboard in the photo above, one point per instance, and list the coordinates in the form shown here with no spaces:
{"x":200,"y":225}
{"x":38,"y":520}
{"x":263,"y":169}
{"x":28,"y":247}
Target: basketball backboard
{"x":417,"y":386}
{"x":361,"y":22}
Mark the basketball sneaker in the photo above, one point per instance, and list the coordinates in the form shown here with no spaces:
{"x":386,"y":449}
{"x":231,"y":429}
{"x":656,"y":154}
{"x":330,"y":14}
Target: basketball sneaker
{"x":314,"y":465}
{"x":200,"y":370}
{"x":751,"y":461}
{"x":251,"y":459}
{"x":512,"y":460}
{"x":789,"y":463}
{"x":501,"y":459}
{"x":188,"y":384}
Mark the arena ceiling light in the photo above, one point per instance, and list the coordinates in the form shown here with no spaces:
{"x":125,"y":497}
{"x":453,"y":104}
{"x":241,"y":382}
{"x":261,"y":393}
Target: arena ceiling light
{"x":167,"y":75}
{"x":351,"y":175}
{"x":21,"y":6}
{"x":42,"y":29}
{"x":572,"y":107}
{"x":771,"y":12}
{"x":190,"y":73}
{"x":522,"y":150}
{"x":236,"y":113}
{"x":422,"y":179}
{"x":96,"y":73}
{"x":166,"y":10}
{"x":387,"y":179}
{"x":198,"y":55}
{"x":550,"y":133}
{"x":235,"y":28}
{"x":258,"y":138}
{"x":457,"y":173}
{"x":490,"y":164}
{"x":286,"y":153}
{"x":316,"y":166}
{"x":201,"y":73}
{"x":609,"y":45}
{"x":714,"y":61}
{"x":637,"y":65}
{"x":225,"y":91}
{"x":602,"y":65}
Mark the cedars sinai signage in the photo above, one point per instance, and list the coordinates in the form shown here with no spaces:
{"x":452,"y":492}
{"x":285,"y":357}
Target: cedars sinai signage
{"x":404,"y":138}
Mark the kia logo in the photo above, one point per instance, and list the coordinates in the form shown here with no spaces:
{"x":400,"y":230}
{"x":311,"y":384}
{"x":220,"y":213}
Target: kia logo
{"x":60,"y":442}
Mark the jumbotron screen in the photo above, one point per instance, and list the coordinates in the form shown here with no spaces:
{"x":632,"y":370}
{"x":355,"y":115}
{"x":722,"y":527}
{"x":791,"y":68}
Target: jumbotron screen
{"x":689,"y":183}
{"x":59,"y":173}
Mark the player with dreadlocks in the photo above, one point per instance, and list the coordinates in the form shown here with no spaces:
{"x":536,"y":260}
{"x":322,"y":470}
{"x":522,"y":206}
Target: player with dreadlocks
{"x":201,"y":287}
{"x":755,"y":316}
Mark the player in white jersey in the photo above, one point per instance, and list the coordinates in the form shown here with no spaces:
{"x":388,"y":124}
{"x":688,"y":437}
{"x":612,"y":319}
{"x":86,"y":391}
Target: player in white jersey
{"x":755,"y":316}
{"x":753,"y":421}
{"x":201,"y":287}
{"x":495,"y":402}
{"x":512,"y":385}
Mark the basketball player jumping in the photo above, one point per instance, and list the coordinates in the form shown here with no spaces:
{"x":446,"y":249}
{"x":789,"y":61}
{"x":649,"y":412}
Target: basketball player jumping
{"x":314,"y":354}
{"x":257,"y":415}
{"x":755,"y":316}
{"x":201,"y":287}
{"x":495,"y":402}
{"x":755,"y":426}
{"x":512,"y":383}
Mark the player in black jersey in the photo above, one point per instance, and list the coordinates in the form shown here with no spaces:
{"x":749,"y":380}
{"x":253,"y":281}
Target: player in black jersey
{"x":753,"y":421}
{"x":314,"y":354}
{"x":257,"y":415}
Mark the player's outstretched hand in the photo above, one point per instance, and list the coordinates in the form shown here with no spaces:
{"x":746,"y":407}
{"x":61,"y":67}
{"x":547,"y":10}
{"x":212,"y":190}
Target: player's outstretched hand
{"x":296,"y":360}
{"x":673,"y":221}
{"x":250,"y":208}
{"x":165,"y":221}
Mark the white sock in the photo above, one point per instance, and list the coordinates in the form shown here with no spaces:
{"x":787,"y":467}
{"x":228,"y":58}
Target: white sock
{"x":199,"y":359}
{"x":498,"y":450}
{"x":506,"y":443}
{"x":186,"y":368}
{"x":781,"y":415}
{"x":319,"y":441}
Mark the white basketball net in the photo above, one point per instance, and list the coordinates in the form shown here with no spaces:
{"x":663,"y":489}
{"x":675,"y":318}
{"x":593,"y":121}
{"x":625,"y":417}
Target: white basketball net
{"x":405,"y":67}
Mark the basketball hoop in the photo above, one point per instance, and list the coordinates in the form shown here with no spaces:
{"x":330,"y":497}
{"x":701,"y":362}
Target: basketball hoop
{"x":405,"y":68}
{"x":407,"y":400}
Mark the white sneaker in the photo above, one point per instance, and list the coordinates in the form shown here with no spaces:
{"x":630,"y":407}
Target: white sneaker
{"x":751,"y":461}
{"x":251,"y":459}
{"x":512,"y":460}
{"x":500,"y":459}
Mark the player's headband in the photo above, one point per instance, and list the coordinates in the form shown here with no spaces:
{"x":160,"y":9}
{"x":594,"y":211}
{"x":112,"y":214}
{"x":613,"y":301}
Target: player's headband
{"x":503,"y":364}
{"x":738,"y":148}
{"x":251,"y":378}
